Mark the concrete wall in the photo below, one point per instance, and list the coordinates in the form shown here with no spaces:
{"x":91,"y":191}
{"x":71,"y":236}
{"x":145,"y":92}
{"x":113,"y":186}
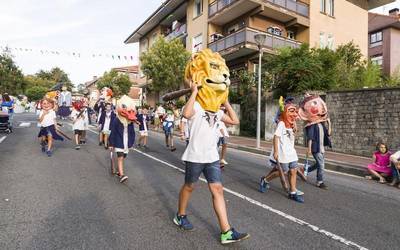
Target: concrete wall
{"x":350,"y":23}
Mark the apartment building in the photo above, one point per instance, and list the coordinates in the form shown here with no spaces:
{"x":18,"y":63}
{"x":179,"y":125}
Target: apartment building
{"x":229,"y":26}
{"x":384,"y":40}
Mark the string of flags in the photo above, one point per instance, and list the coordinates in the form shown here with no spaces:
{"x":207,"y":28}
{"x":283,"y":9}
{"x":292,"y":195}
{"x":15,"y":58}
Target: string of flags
{"x":75,"y":54}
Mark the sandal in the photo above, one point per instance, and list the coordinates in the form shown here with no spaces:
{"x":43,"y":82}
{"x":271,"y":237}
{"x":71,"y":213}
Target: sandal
{"x":382,"y":181}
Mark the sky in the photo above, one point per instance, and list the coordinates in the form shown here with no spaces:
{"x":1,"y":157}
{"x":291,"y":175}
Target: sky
{"x":93,"y":29}
{"x":88,"y":27}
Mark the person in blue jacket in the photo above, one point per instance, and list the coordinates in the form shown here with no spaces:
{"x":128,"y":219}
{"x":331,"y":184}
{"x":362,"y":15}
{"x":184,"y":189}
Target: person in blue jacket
{"x":106,"y":119}
{"x":143,"y":120}
{"x":122,"y":136}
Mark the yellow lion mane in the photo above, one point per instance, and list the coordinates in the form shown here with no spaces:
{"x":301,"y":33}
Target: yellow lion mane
{"x":205,"y":67}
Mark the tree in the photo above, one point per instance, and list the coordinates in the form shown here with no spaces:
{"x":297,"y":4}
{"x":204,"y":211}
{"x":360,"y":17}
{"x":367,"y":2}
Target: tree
{"x":11,"y":77}
{"x":35,"y":81}
{"x":164,"y":63}
{"x":36,"y":93}
{"x":119,"y":83}
{"x":55,"y":75}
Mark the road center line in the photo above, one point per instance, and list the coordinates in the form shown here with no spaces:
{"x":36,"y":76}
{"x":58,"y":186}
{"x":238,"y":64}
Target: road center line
{"x":266,"y":207}
{"x":3,"y":138}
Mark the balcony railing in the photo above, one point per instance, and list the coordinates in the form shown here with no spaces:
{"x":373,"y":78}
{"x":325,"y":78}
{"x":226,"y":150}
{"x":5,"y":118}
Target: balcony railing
{"x":246,"y":35}
{"x":298,"y":7}
{"x":181,"y":30}
{"x":218,"y":5}
{"x":295,"y":6}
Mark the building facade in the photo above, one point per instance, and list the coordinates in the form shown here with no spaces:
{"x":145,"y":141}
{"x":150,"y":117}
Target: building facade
{"x":384,"y":41}
{"x":229,"y":26}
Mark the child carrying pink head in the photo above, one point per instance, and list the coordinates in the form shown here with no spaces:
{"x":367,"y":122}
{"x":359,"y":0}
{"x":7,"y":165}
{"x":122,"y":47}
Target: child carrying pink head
{"x":381,"y":166}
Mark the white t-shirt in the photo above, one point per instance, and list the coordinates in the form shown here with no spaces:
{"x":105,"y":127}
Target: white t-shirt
{"x":48,"y":119}
{"x":107,"y":122}
{"x":79,"y":124}
{"x":186,"y":129}
{"x":160,"y":111}
{"x":221,"y":125}
{"x":202,"y":147}
{"x":286,"y":151}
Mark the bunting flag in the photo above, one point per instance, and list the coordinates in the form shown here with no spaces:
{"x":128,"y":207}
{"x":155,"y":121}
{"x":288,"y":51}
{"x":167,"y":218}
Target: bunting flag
{"x":75,"y":54}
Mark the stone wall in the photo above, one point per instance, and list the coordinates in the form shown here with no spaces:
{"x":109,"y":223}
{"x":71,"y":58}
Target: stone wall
{"x":362,"y":118}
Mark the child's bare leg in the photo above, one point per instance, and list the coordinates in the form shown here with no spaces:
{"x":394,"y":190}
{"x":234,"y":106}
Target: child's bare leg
{"x":292,"y":179}
{"x":376,"y":174}
{"x":217,"y":192}
{"x":184,"y":196}
{"x":145,"y":140}
{"x":121,"y":165}
{"x":50,"y":142}
{"x":105,"y":140}
{"x":223,"y":151}
{"x":77,"y":139}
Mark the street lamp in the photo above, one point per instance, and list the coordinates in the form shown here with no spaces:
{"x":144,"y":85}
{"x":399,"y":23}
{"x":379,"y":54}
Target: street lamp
{"x":260,"y":39}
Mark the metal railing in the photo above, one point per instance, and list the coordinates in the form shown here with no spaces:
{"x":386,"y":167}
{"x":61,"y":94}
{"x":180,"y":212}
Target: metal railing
{"x":177,"y":32}
{"x":218,"y":5}
{"x":246,"y":35}
{"x":295,"y":6}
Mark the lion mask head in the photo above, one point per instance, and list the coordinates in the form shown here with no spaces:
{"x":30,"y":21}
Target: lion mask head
{"x":208,"y":70}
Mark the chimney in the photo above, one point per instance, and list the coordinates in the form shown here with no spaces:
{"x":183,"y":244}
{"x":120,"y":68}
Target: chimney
{"x":394,"y":12}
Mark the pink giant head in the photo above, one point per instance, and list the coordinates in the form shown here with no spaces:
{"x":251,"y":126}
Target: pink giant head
{"x":313,"y":110}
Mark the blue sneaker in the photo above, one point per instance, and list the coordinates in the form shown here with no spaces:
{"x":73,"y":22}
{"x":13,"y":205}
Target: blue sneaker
{"x":49,"y":153}
{"x":183,"y":222}
{"x":296,"y":197}
{"x":264,"y":185}
{"x":233,"y":236}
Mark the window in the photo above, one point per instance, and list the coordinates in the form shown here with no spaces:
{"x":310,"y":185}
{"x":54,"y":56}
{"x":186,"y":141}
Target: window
{"x":376,"y":37}
{"x":322,"y":40}
{"x":377,"y":60}
{"x":291,"y":34}
{"x":197,"y":43}
{"x":330,"y":42}
{"x":327,"y":7}
{"x":275,"y":30}
{"x":197,"y":8}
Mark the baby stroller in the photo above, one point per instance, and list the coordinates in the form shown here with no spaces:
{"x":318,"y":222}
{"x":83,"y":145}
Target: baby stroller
{"x":5,"y":124}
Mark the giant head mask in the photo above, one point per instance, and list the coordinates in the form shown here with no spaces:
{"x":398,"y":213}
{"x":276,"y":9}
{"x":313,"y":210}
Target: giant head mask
{"x":288,"y":112}
{"x":126,"y":110}
{"x":313,"y":110}
{"x":209,"y":71}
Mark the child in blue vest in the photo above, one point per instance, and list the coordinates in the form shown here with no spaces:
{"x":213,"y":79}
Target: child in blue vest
{"x":106,"y":119}
{"x":122,"y":136}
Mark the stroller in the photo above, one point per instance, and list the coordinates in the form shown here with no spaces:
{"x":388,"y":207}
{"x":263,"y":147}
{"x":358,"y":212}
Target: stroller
{"x":5,"y":124}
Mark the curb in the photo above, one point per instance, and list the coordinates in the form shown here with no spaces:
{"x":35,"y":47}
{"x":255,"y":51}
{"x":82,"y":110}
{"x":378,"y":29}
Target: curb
{"x":336,"y":166}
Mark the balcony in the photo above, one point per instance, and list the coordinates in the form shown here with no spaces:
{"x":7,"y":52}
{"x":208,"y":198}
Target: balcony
{"x":242,"y":43}
{"x":177,"y":33}
{"x":223,"y":11}
{"x":297,"y":7}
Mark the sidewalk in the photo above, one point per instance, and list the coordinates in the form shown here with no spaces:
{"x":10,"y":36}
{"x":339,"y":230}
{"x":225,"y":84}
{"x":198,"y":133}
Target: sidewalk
{"x":350,"y":164}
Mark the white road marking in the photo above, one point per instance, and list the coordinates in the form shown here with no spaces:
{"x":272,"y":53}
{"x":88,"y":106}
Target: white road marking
{"x":2,"y":139}
{"x":266,"y":207}
{"x":24,"y":124}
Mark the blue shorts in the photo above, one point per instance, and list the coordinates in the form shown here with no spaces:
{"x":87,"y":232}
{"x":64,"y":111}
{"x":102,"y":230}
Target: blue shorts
{"x":211,"y":171}
{"x":285,"y":166}
{"x":221,"y":141}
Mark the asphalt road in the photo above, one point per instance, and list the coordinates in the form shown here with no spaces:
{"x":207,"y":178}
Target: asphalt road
{"x":70,"y":201}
